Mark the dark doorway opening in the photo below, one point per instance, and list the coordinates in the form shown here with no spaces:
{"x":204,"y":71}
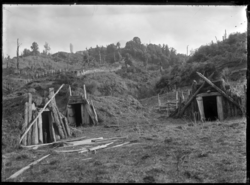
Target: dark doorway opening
{"x":45,"y":126}
{"x":78,"y":117}
{"x":210,"y":108}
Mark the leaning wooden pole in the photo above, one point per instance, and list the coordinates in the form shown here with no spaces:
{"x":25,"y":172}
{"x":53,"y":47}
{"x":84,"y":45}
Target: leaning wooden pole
{"x":220,"y":91}
{"x":39,"y":114}
{"x":55,"y":114}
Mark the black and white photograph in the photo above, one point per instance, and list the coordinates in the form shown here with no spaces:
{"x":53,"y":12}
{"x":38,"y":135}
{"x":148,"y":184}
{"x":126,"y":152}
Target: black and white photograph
{"x":131,"y":93}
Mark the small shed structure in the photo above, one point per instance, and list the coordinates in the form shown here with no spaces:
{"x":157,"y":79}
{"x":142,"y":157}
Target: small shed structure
{"x":210,"y":101}
{"x":43,"y":123}
{"x":80,"y":112}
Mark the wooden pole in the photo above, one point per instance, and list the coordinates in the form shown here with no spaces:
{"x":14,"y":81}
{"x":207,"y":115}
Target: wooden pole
{"x":219,"y":108}
{"x":40,"y":113}
{"x":34,"y":140}
{"x":220,"y":91}
{"x":29,"y":118}
{"x":40,"y":129}
{"x":70,"y":91}
{"x":96,"y":118}
{"x":159,"y":101}
{"x":66,"y":124}
{"x":55,"y":134}
{"x":177,"y":98}
{"x":52,"y":136}
{"x":25,"y":124}
{"x":55,"y":114}
{"x":84,"y":91}
{"x":25,"y":168}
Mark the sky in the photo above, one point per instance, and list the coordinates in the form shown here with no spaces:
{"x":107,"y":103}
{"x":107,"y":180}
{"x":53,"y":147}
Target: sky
{"x":87,"y":26}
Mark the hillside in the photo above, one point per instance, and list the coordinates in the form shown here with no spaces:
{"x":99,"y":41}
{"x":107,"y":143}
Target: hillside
{"x":227,"y":59}
{"x":161,"y":149}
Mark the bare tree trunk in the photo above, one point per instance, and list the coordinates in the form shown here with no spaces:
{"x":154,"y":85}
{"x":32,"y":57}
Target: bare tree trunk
{"x":17,"y":54}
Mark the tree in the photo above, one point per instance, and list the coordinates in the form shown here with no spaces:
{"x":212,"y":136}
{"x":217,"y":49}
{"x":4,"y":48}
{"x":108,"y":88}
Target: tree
{"x":47,"y":48}
{"x":71,"y":48}
{"x":17,"y":53}
{"x":7,"y":60}
{"x":26,"y":52}
{"x":35,"y":48}
{"x":137,"y":40}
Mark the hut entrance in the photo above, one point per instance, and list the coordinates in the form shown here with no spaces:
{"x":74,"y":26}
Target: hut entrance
{"x":210,"y":108}
{"x":76,"y":108}
{"x":46,"y":116}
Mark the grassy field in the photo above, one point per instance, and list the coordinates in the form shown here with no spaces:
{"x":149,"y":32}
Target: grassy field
{"x":164,"y":151}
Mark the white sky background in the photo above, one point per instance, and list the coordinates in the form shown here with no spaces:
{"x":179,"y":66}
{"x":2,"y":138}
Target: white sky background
{"x":91,"y":25}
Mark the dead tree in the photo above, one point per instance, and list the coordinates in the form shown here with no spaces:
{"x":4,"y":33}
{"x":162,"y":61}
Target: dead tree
{"x":17,"y":54}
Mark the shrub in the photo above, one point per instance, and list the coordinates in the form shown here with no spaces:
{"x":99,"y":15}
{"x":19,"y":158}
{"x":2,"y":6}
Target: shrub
{"x":91,"y":87}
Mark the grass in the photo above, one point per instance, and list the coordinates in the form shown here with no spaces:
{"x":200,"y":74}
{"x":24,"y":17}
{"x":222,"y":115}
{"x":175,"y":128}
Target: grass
{"x":167,"y":153}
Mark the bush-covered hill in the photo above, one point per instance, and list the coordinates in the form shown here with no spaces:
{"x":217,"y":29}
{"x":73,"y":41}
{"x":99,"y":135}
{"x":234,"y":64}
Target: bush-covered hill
{"x":227,"y":58}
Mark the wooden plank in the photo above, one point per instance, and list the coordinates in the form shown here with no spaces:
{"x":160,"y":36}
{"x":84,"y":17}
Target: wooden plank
{"x":220,"y":108}
{"x":67,"y":126}
{"x":61,"y":121}
{"x":39,"y":114}
{"x":40,"y":129}
{"x":51,"y":129}
{"x":94,"y":111}
{"x":25,"y":124}
{"x":84,"y":115}
{"x":70,"y":91}
{"x":219,"y":90}
{"x":91,"y":113}
{"x":34,"y":140}
{"x":55,"y":114}
{"x":19,"y":172}
{"x":29,"y":136}
{"x":71,"y":115}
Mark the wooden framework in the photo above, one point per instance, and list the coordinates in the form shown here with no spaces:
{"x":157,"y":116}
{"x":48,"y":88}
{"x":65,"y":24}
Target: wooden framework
{"x":88,"y":112}
{"x":37,"y":130}
{"x":227,"y":104}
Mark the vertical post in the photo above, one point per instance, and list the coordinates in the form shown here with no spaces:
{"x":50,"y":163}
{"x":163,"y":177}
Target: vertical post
{"x":29,"y":118}
{"x":70,"y":91}
{"x":40,"y":129}
{"x":201,"y":108}
{"x":219,"y":108}
{"x":34,"y":131}
{"x":52,"y":136}
{"x":84,"y":91}
{"x":177,"y":98}
{"x":159,"y":101}
{"x":25,"y":124}
{"x":183,"y":98}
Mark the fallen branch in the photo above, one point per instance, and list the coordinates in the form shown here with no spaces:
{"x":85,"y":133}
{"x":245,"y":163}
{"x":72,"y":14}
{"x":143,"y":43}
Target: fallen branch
{"x":67,"y":151}
{"x":119,"y":145}
{"x":97,"y":140}
{"x":39,"y":114}
{"x":26,"y":168}
{"x":92,"y":143}
{"x":97,"y":147}
{"x":57,"y":142}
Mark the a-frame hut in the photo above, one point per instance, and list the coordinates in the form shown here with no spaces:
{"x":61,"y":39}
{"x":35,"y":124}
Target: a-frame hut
{"x":81,"y":111}
{"x":43,"y":123}
{"x":210,"y":101}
